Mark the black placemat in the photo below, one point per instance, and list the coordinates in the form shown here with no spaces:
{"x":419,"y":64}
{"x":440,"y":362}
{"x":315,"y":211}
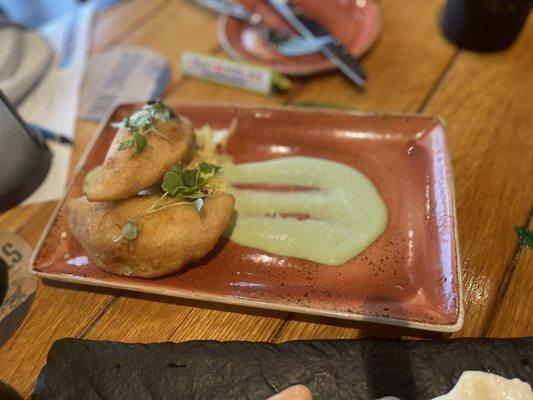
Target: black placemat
{"x":333,"y":369}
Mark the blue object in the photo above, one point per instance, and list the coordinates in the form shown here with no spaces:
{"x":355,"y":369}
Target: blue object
{"x":33,"y":13}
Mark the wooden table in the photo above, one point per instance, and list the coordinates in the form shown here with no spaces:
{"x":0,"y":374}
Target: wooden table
{"x":487,"y":102}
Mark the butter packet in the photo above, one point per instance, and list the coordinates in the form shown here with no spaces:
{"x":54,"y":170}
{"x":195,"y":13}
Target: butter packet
{"x":241,"y":75}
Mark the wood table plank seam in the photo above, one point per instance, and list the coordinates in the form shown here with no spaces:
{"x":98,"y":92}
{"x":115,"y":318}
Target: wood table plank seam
{"x":297,"y":87}
{"x":90,"y":326}
{"x":506,"y":280}
{"x":509,"y":266}
{"x":138,"y":25}
{"x":439,"y":82}
{"x":279,"y":330}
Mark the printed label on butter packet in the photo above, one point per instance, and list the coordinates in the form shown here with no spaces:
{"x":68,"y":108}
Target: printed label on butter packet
{"x":218,"y":70}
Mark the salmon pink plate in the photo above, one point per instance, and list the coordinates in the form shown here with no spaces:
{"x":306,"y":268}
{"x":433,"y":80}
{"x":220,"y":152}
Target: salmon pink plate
{"x":355,"y":23}
{"x":409,"y":276}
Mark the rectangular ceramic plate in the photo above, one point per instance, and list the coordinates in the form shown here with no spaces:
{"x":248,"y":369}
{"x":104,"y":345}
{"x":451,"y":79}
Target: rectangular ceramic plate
{"x":409,"y":277}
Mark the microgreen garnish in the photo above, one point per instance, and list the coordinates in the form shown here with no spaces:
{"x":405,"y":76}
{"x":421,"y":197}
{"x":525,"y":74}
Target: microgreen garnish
{"x":188,"y":183}
{"x":140,"y":142}
{"x":144,"y":122}
{"x":125,"y":144}
{"x":525,"y":236}
{"x":128,"y":232}
{"x":207,"y":169}
{"x":185,"y":184}
{"x":190,"y":177}
{"x":180,"y":186}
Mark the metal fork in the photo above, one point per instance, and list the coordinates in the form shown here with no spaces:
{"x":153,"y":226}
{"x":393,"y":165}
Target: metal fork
{"x":284,"y":43}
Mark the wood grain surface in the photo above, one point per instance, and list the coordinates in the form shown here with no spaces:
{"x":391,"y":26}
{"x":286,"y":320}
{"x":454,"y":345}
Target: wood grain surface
{"x":486,"y":102}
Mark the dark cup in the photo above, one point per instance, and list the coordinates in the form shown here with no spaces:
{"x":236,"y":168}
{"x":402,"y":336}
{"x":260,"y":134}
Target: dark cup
{"x":484,"y":25}
{"x":24,"y":157}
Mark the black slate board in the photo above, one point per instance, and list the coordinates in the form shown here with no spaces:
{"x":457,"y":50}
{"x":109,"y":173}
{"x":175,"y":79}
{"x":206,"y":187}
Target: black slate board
{"x":334,"y":369}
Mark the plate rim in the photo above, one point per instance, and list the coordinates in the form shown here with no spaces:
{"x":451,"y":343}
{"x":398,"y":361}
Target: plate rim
{"x":225,"y":299}
{"x":230,"y":51}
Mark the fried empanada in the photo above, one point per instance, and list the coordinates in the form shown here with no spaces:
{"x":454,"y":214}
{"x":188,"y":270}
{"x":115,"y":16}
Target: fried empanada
{"x":126,"y":172}
{"x":167,"y":239}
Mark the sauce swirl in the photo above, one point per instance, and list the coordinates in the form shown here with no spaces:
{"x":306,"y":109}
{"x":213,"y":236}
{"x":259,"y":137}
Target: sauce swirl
{"x":331,"y":213}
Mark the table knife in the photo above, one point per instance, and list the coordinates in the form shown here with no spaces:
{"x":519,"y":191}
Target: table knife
{"x":334,"y":51}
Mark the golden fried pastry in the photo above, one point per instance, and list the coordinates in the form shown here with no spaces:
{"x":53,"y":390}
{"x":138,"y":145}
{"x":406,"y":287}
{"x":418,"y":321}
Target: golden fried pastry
{"x":167,"y":239}
{"x":136,"y":161}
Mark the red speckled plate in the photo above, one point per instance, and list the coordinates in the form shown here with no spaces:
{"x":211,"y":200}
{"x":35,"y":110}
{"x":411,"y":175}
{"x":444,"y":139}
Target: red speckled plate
{"x":410,"y":276}
{"x":356,"y":23}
